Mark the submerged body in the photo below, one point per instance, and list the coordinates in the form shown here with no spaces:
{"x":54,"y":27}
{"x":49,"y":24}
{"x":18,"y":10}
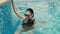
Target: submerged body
{"x":26,"y":26}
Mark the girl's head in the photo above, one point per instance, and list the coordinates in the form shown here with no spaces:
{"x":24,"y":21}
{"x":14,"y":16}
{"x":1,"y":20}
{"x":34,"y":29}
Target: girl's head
{"x":29,"y":12}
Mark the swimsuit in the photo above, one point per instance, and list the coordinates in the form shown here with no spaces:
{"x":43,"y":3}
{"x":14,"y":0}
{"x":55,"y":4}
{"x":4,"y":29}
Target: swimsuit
{"x":28,"y":23}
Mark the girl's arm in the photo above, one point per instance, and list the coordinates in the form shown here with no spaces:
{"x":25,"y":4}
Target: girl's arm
{"x":42,"y":21}
{"x":16,"y":11}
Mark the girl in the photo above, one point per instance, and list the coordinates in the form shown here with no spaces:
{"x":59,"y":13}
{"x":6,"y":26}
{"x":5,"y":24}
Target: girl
{"x":28,"y":22}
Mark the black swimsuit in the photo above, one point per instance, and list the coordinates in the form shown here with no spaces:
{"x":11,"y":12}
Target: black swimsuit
{"x":28,"y":22}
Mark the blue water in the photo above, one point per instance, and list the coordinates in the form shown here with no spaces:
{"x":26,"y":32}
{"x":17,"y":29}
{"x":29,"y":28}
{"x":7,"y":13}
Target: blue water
{"x":48,"y":10}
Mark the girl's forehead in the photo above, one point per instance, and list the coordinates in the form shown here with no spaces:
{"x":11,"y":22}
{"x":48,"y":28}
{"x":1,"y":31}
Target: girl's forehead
{"x":27,"y":11}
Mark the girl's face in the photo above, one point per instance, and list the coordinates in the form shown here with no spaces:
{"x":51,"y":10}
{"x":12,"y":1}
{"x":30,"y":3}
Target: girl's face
{"x":28,"y":13}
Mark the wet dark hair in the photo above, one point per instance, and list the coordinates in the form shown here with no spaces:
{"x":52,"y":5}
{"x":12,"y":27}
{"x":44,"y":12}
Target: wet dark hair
{"x":31,"y":11}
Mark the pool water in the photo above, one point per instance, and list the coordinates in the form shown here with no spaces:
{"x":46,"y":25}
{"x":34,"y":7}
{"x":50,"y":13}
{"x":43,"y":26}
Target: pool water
{"x":48,"y":10}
